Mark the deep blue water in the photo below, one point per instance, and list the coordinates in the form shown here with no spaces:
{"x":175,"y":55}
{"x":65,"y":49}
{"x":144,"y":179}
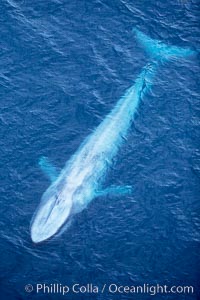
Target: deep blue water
{"x":64,"y":64}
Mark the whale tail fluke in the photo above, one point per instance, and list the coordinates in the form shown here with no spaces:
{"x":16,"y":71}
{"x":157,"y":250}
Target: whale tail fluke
{"x":160,"y":51}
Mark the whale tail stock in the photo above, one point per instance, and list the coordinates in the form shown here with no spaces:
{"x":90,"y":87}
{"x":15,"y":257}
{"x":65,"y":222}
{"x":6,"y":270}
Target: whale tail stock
{"x":160,"y":51}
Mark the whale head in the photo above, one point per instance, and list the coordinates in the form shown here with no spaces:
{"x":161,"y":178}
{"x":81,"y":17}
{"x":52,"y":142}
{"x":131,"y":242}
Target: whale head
{"x":52,"y":213}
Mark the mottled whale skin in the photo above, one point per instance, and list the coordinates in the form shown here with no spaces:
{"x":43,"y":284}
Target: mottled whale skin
{"x":81,"y":179}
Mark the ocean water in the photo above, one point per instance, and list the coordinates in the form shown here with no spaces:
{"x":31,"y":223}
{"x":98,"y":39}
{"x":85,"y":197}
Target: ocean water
{"x":64,"y":65}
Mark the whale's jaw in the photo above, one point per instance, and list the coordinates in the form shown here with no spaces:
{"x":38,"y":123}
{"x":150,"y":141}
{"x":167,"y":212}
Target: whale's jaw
{"x":38,"y":237}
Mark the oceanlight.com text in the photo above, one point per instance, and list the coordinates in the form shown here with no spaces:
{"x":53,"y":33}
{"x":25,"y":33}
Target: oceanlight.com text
{"x":113,"y":288}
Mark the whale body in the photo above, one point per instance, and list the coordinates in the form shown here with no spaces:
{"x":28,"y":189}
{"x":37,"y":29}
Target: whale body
{"x":82,"y":178}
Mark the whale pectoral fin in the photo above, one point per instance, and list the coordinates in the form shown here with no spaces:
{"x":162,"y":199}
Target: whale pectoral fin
{"x":116,"y":190}
{"x":49,"y":170}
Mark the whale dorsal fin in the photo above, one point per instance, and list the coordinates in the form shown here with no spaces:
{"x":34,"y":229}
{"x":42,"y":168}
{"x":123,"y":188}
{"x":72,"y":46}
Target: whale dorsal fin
{"x":48,"y":169}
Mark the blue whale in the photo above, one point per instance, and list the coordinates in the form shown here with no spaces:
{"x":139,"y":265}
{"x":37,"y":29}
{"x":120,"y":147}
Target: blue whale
{"x":82,"y":178}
